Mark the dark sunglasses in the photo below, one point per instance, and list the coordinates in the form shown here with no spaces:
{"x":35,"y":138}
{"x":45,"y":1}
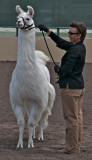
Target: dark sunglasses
{"x":71,"y":33}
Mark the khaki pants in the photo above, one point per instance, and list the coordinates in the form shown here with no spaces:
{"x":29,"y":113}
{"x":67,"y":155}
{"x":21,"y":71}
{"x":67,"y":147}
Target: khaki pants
{"x":72,"y":100}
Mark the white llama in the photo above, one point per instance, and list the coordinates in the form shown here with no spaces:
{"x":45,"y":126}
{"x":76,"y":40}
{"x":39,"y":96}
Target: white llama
{"x":30,"y":88}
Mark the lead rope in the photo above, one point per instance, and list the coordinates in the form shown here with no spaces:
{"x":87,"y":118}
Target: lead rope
{"x":48,"y":47}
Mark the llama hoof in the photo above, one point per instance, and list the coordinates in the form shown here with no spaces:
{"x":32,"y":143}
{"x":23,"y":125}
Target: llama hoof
{"x":19,"y":146}
{"x":30,"y":146}
{"x":40,"y":138}
{"x":33,"y":137}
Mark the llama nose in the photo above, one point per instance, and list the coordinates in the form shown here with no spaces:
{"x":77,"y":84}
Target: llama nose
{"x":19,"y":22}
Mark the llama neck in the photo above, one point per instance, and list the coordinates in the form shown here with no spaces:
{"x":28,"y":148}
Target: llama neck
{"x":26,"y":46}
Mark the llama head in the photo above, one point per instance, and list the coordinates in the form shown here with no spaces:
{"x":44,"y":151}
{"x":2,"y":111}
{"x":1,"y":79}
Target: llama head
{"x":24,"y":19}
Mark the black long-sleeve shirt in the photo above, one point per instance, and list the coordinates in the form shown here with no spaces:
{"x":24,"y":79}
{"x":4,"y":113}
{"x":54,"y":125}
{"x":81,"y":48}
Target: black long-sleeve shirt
{"x":72,"y":63}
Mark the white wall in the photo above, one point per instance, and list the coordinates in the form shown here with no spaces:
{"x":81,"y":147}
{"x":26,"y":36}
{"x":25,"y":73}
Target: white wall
{"x":8,"y":49}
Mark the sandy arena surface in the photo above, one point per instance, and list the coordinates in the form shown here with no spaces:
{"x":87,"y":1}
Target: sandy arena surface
{"x":54,"y":135}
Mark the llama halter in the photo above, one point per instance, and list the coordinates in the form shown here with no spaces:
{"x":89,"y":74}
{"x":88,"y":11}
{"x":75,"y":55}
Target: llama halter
{"x":26,"y":26}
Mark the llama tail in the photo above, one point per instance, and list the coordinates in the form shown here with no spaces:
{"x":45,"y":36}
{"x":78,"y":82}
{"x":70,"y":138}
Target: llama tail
{"x":51,"y":99}
{"x":52,"y":95}
{"x":41,"y":57}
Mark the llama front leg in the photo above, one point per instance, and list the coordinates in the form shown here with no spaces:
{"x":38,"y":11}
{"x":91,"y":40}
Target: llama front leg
{"x":30,"y":141}
{"x":19,"y":113}
{"x":34,"y":117}
{"x":20,"y":141}
{"x":31,"y":125}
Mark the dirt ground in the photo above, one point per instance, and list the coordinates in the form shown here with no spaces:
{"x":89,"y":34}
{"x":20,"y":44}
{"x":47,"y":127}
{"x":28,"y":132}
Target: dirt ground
{"x":54,"y":135}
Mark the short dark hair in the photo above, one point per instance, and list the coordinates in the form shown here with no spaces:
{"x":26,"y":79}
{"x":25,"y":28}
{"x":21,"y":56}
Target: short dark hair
{"x":81,"y":28}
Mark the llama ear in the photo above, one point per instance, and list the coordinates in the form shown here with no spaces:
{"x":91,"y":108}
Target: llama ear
{"x":18,"y":9}
{"x":30,"y":11}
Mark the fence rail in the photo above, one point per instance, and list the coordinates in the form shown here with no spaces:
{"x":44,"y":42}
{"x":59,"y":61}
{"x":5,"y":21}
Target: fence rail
{"x":60,"y":31}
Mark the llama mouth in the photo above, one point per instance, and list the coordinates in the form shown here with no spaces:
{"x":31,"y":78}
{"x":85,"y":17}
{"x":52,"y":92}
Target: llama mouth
{"x":18,"y":25}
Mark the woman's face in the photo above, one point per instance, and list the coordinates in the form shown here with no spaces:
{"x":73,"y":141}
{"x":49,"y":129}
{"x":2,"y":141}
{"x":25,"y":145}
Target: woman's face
{"x":74,"y":35}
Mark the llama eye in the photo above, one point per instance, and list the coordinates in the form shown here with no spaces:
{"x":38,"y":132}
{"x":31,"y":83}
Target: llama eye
{"x":27,"y":19}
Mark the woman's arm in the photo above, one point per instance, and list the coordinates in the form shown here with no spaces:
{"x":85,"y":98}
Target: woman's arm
{"x":61,"y":43}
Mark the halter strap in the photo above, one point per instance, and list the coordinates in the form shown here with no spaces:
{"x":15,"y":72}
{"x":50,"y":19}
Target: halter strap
{"x":26,"y":26}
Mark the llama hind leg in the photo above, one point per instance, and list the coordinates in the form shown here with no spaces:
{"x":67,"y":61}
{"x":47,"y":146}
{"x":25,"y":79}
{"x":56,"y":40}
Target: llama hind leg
{"x":40,"y":137}
{"x":43,"y":123}
{"x":47,"y":112}
{"x":34,"y":117}
{"x":19,"y":113}
{"x":33,"y":135}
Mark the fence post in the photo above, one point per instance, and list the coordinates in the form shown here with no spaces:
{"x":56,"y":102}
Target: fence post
{"x":58,"y":31}
{"x":16,"y":32}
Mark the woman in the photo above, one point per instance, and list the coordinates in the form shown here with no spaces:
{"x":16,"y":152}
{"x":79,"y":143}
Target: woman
{"x":71,"y":82}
